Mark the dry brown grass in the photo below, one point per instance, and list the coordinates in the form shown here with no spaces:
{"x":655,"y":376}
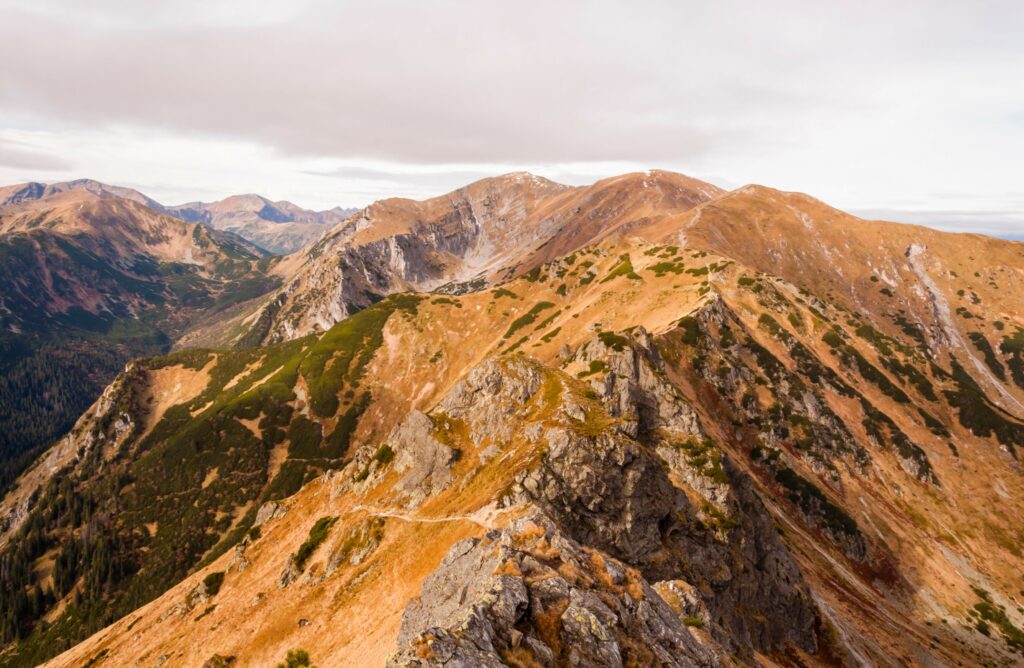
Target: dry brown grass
{"x":520,"y":657}
{"x":548,"y":623}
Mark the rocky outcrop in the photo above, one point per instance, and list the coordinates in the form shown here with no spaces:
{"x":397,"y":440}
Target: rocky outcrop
{"x":489,"y":398}
{"x":633,"y":386}
{"x":530,"y":594}
{"x":425,"y":461}
{"x":626,"y":472}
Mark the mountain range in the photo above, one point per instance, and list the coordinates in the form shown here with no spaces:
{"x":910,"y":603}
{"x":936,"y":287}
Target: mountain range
{"x":642,"y":422}
{"x":277,"y":227}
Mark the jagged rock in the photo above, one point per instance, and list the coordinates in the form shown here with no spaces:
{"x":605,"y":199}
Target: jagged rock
{"x":290,"y":573}
{"x":176,"y":609}
{"x":607,"y":489}
{"x":271,"y":510}
{"x":488,"y":398}
{"x":425,"y":461}
{"x":502,"y":595}
{"x":634,"y":388}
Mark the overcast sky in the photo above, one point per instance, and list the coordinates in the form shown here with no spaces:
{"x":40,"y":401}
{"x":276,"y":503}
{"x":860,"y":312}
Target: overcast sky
{"x":901,"y":109}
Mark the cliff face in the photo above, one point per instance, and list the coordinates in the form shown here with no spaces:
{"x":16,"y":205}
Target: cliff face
{"x":490,"y":230}
{"x":639,"y":451}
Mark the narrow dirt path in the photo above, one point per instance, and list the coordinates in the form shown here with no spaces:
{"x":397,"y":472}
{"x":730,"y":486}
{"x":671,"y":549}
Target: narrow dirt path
{"x":378,"y":512}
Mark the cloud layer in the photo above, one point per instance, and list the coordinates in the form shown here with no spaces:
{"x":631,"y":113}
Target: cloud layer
{"x":884,"y":105}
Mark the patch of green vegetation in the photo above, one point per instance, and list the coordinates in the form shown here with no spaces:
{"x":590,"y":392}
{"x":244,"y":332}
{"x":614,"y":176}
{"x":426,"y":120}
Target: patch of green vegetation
{"x":911,"y":330}
{"x":596,"y":366}
{"x":909,"y":372}
{"x":528,"y":318}
{"x":548,"y":320}
{"x":875,"y":338}
{"x":983,"y":346}
{"x":887,"y":292}
{"x":515,"y":346}
{"x":384,"y":455}
{"x":532,"y":275}
{"x":698,"y":271}
{"x":347,"y":348}
{"x":691,"y":329}
{"x":1013,"y":345}
{"x":550,"y":335}
{"x":934,"y":426}
{"x":666,"y":267}
{"x":979,"y":414}
{"x":616,"y":342}
{"x":992,"y":613}
{"x":745,"y":281}
{"x":317,"y":535}
{"x":832,"y":339}
{"x":769,"y":323}
{"x":446,"y":301}
{"x":561,"y":290}
{"x":768,"y":362}
{"x":305,"y":438}
{"x":624,"y":267}
{"x":296,"y":658}
{"x":852,"y":358}
{"x":815,"y":505}
{"x":503,"y":292}
{"x":703,"y":456}
{"x":212,"y":582}
{"x":881,"y":427}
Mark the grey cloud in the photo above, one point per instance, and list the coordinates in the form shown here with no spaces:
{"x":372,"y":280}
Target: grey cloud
{"x":437,"y":82}
{"x":21,"y":156}
{"x":867,"y":103}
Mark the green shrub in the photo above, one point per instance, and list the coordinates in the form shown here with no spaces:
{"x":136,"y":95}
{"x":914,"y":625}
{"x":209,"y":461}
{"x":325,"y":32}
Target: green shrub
{"x":623,"y":268}
{"x":985,"y":348}
{"x":212,"y":583}
{"x":317,"y":535}
{"x":616,"y":342}
{"x":527,"y":318}
{"x":503,"y":292}
{"x":691,"y":329}
{"x":296,"y":658}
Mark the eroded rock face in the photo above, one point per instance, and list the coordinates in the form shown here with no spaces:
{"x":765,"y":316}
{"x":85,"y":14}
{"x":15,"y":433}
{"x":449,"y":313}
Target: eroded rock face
{"x":632,"y":479}
{"x":607,"y":490}
{"x":425,"y":461}
{"x":530,"y":593}
{"x":634,"y":388}
{"x":488,"y":398}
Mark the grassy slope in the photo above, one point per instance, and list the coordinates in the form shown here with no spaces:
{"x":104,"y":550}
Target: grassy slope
{"x":910,"y":522}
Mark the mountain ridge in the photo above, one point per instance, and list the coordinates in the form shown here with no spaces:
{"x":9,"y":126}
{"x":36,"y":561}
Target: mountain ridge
{"x":280,"y":227}
{"x":667,"y":424}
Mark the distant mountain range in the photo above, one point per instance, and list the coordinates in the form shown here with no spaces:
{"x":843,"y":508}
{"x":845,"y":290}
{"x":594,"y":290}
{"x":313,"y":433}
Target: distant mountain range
{"x":278,"y":227}
{"x":642,"y":422}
